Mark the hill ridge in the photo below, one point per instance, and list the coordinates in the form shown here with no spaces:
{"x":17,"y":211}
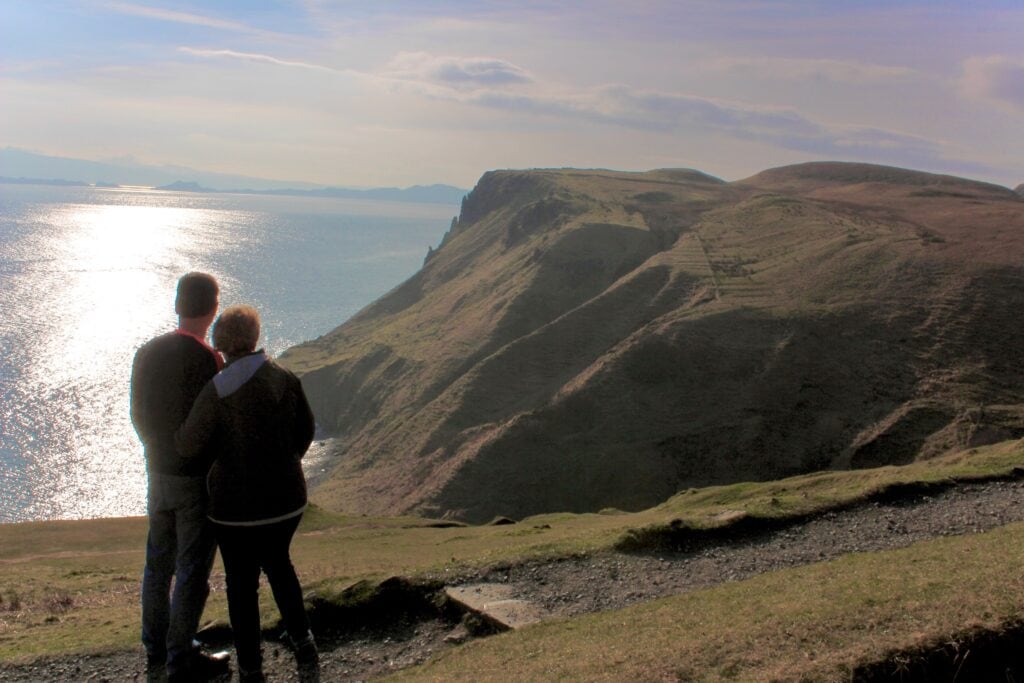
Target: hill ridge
{"x":579,"y":340}
{"x":847,"y":172}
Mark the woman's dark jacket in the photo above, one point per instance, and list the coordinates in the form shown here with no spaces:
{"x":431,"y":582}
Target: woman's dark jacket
{"x":254,"y":420}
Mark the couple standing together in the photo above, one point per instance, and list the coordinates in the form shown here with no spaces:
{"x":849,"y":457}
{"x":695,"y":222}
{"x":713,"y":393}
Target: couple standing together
{"x":224,"y":439}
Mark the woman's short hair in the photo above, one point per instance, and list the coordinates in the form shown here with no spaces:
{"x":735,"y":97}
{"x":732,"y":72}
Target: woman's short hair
{"x":237,"y":330}
{"x":196,"y":295}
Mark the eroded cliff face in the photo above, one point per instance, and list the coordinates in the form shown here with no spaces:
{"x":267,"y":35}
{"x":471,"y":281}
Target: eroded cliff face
{"x":592,"y":339}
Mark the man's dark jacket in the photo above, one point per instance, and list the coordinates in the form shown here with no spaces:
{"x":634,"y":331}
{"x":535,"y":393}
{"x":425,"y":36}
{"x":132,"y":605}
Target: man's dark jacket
{"x":167,"y":375}
{"x":255,"y":420}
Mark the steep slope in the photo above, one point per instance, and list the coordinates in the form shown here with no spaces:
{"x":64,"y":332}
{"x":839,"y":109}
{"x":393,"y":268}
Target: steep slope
{"x":586,"y":339}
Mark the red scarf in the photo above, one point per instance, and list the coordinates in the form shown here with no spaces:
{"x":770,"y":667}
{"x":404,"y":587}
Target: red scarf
{"x":217,"y":356}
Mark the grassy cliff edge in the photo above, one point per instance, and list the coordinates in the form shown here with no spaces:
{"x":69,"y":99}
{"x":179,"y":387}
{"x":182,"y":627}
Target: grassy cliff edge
{"x":71,"y":587}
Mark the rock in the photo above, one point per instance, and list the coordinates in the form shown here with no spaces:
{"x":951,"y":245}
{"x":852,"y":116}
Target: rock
{"x":494,"y":603}
{"x":459,"y":635}
{"x":501,"y":521}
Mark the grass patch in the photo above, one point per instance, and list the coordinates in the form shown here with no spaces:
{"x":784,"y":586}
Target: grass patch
{"x":819,"y":622}
{"x":752,"y":505}
{"x":70,"y":587}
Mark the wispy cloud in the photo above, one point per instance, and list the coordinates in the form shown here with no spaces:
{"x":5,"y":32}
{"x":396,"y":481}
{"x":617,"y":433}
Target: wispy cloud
{"x":668,"y":111}
{"x":837,"y":71}
{"x":28,"y":67}
{"x":731,"y":86}
{"x":648,"y":110}
{"x":997,"y":79}
{"x":254,"y":57}
{"x":455,"y":72}
{"x":177,"y":17}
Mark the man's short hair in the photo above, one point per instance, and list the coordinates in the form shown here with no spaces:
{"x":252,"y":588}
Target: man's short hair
{"x":197,"y":295}
{"x":237,"y":330}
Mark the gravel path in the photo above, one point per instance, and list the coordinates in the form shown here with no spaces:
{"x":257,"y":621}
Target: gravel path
{"x":611,"y":580}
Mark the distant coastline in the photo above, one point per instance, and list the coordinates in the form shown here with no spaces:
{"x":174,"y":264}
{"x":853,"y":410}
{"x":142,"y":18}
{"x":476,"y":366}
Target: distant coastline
{"x":21,"y":167}
{"x":421,"y":194}
{"x":45,"y":181}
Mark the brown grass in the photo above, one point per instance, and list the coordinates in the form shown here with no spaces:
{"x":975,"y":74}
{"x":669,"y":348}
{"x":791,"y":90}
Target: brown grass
{"x":814,"y":623}
{"x":70,"y":587}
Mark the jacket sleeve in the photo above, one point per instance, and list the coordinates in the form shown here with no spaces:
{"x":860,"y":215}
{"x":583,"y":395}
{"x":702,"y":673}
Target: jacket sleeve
{"x":305,"y":425}
{"x":200,"y":427}
{"x":139,"y":398}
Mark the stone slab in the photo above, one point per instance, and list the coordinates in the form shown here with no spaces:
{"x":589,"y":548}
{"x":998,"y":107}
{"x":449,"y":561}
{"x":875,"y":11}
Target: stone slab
{"x":494,"y":602}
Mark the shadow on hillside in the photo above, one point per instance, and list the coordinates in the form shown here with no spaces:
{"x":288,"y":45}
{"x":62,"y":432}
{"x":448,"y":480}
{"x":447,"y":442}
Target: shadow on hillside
{"x":980,"y":656}
{"x":677,"y":536}
{"x":388,"y":611}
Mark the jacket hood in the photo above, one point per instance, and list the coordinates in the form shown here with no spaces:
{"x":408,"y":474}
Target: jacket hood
{"x":238,"y":372}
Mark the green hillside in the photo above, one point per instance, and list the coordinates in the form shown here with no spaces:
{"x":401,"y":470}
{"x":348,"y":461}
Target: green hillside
{"x":592,"y":339}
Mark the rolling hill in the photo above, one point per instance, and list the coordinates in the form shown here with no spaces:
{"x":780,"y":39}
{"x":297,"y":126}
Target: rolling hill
{"x":591,"y":339}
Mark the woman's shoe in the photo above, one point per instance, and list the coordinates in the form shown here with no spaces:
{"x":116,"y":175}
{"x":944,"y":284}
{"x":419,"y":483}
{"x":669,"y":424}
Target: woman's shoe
{"x":307,"y":658}
{"x":251,"y":676}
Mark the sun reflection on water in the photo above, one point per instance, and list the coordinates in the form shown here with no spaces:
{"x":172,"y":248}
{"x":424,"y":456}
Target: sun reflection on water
{"x":114,"y":288}
{"x":88,"y":275}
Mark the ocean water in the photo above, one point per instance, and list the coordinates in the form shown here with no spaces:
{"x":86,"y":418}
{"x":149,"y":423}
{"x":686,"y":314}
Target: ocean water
{"x":87,"y":275}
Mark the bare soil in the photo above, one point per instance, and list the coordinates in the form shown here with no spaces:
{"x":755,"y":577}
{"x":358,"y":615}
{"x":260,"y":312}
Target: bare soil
{"x":609,"y":580}
{"x":578,"y":585}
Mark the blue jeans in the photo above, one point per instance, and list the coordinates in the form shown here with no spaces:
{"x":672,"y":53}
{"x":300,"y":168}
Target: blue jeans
{"x":181,"y":544}
{"x":245,"y":551}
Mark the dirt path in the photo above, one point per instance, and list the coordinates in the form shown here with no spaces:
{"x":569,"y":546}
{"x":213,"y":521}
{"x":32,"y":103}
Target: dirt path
{"x":612,"y":580}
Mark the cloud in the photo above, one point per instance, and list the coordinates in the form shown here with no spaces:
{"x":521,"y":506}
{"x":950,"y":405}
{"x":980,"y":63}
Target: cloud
{"x":668,"y":111}
{"x":254,"y":57}
{"x":478,"y":81}
{"x":838,"y":71}
{"x":998,"y":79}
{"x":178,"y":17}
{"x":778,"y":126}
{"x":454,"y":72}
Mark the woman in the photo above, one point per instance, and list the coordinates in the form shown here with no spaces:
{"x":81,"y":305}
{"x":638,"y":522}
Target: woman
{"x":253,"y":421}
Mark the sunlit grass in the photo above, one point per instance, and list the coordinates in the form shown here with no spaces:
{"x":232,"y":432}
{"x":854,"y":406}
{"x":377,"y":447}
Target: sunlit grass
{"x":814,"y":623}
{"x":74,"y":586}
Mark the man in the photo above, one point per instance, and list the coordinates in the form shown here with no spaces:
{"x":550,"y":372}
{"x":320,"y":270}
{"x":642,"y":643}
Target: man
{"x":167,"y":375}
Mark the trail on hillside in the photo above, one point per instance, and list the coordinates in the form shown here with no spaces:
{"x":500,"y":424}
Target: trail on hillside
{"x":602,"y":581}
{"x":609,"y":580}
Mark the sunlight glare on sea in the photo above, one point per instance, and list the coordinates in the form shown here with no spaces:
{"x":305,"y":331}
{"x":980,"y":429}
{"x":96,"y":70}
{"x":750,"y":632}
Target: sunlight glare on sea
{"x":118,"y":266}
{"x":88,"y":275}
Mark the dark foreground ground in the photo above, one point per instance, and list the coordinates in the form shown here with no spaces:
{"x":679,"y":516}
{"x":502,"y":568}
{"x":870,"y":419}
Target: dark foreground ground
{"x":405,"y":635}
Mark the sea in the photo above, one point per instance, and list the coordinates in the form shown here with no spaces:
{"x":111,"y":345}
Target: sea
{"x":88,"y":274}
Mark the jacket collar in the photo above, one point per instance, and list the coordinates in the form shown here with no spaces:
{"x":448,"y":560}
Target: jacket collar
{"x":216,"y":355}
{"x":238,"y":372}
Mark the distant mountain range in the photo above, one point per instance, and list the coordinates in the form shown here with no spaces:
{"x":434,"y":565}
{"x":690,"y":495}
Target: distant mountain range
{"x":585,"y":340}
{"x":22,"y":167}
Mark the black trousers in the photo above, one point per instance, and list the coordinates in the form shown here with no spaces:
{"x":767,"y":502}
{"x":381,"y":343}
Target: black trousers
{"x":245,"y":551}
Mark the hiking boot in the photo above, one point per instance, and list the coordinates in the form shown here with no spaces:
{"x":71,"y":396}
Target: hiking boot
{"x":202,"y":667}
{"x":255,"y":676}
{"x":307,"y":658}
{"x":156,"y":668}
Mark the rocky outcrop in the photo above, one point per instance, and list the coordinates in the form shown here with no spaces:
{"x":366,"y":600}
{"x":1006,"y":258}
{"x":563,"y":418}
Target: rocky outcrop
{"x":592,"y":339}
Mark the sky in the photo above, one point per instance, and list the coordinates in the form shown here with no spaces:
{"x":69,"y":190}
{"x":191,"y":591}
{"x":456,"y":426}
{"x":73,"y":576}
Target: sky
{"x":385,"y":93}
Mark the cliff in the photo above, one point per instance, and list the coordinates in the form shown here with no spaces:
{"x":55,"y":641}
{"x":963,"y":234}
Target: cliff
{"x":592,"y":339}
